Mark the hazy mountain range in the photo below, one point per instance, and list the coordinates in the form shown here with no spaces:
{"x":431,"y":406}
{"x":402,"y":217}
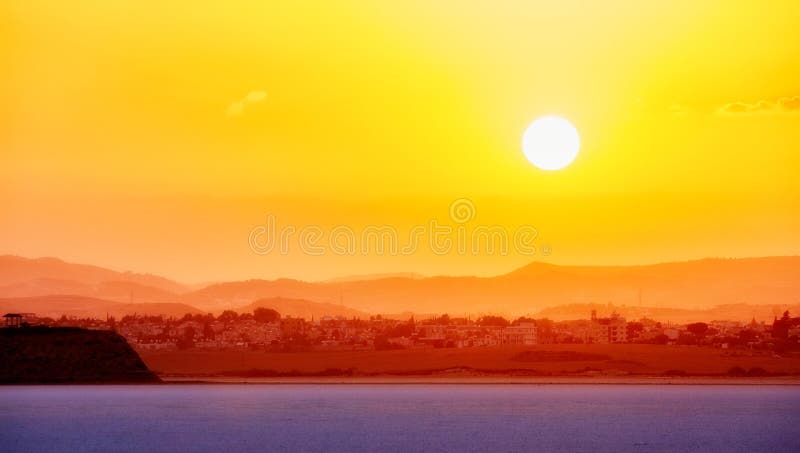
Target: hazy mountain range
{"x":672,"y":290}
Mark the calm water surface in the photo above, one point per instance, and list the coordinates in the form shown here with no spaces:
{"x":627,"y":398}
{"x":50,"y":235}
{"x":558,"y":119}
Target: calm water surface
{"x":399,"y":418}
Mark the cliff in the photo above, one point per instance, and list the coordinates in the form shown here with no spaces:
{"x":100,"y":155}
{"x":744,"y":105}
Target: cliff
{"x":68,"y":355}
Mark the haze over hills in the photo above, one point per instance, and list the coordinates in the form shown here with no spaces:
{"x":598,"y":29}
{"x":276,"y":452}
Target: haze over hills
{"x":698,"y":284}
{"x":299,"y":308}
{"x":351,"y":278}
{"x":692,"y":285}
{"x":88,"y":307}
{"x":25,"y":277}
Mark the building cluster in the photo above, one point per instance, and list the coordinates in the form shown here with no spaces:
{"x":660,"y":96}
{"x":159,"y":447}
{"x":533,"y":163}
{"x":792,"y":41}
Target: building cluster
{"x":324,"y":333}
{"x":266,"y":329}
{"x":781,"y":334}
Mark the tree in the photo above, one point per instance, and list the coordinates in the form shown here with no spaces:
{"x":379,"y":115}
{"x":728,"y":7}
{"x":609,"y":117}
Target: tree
{"x":382,"y":343}
{"x":228,"y":316}
{"x":747,"y":336}
{"x":492,"y":321}
{"x":405,"y":329}
{"x":780,"y":328}
{"x":634,"y":329}
{"x":208,"y":331}
{"x":266,"y":315}
{"x":444,"y":319}
{"x":698,"y":329}
{"x":545,"y":330}
{"x":187,"y":339}
{"x":687,"y":339}
{"x":660,"y":339}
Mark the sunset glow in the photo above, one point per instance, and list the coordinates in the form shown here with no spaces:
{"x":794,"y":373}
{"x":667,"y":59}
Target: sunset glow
{"x":154,"y":137}
{"x":352,"y":225}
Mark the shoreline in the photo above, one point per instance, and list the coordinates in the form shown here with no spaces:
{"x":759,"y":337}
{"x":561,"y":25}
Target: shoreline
{"x":553,"y":364}
{"x":481,"y":380}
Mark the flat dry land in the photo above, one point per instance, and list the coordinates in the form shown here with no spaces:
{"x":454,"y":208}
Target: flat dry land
{"x":543,"y":360}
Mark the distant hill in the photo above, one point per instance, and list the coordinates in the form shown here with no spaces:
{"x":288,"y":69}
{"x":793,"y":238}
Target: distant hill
{"x":299,"y":308}
{"x":21,"y":277}
{"x":355,"y":278}
{"x":166,"y":309}
{"x":691,"y":285}
{"x":88,"y":307}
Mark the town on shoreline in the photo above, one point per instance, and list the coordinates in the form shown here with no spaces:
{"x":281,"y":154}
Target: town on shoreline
{"x":266,"y":329}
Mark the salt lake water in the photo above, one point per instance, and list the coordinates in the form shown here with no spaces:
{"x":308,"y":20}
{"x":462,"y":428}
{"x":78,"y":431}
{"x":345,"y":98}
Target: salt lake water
{"x":230,"y":418}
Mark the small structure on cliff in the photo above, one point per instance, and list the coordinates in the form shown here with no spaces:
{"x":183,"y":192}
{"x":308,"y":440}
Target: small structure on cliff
{"x":13,"y":319}
{"x":20,"y":319}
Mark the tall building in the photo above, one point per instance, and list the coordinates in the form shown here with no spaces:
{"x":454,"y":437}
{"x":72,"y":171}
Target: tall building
{"x":607,"y":330}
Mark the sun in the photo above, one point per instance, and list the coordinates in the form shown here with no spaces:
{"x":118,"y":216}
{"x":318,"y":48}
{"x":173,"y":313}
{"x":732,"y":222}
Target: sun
{"x":551,"y":143}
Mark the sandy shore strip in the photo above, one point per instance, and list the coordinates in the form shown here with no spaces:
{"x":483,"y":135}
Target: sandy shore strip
{"x":485,"y":380}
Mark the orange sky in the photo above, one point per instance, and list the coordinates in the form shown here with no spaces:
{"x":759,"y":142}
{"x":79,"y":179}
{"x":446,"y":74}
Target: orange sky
{"x":155,"y":137}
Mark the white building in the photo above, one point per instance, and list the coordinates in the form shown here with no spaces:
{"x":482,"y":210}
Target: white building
{"x":522,"y":334}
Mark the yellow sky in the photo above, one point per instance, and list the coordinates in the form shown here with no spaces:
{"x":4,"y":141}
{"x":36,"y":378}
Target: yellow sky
{"x":154,"y":136}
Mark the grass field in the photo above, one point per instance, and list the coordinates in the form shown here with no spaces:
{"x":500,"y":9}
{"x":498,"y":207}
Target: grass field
{"x":545,"y":360}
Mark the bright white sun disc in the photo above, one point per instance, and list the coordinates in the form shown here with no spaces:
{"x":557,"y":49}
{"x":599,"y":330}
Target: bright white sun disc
{"x":551,"y":143}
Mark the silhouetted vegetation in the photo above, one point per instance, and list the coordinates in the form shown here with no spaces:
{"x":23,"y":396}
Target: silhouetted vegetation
{"x":492,"y":321}
{"x":698,"y":329}
{"x":382,"y":343}
{"x":262,"y":314}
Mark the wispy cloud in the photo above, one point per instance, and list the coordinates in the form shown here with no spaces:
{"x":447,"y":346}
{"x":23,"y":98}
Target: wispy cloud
{"x":237,"y":108}
{"x":255,"y":96}
{"x":678,"y":110}
{"x":783,"y":105}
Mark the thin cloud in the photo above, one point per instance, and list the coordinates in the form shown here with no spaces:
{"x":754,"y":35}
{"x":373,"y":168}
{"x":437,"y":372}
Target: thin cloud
{"x":255,"y":96}
{"x":237,"y":108}
{"x":777,"y":106}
